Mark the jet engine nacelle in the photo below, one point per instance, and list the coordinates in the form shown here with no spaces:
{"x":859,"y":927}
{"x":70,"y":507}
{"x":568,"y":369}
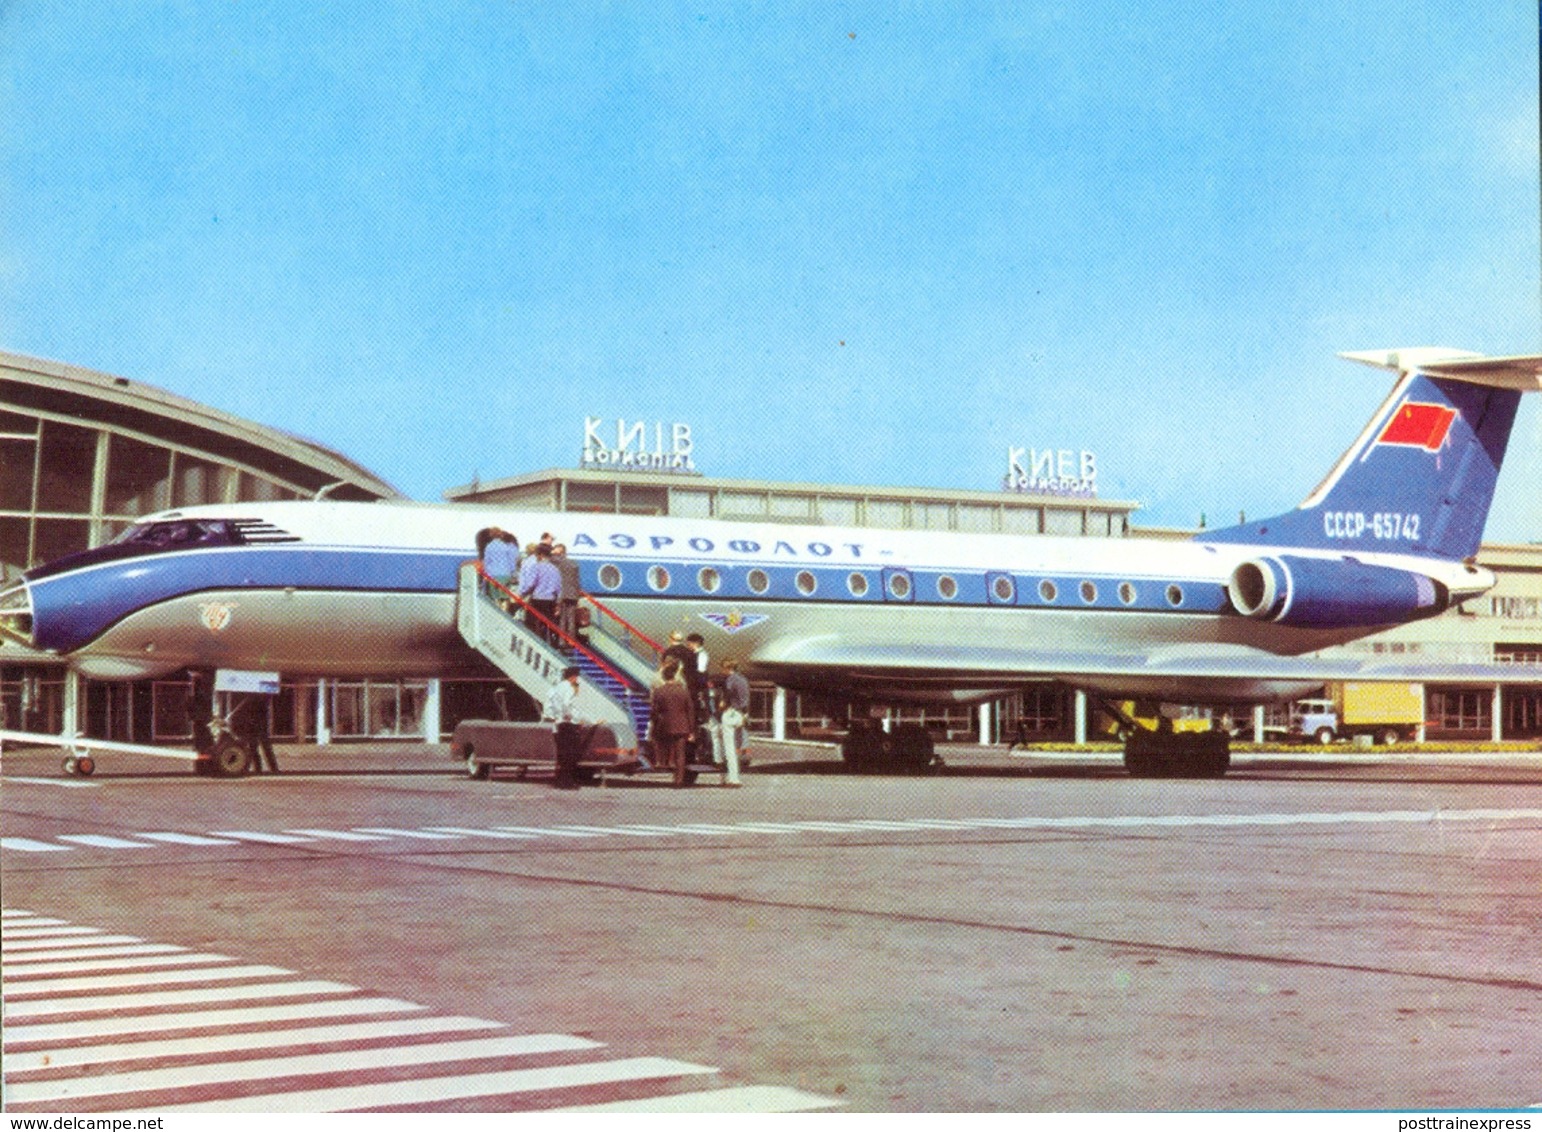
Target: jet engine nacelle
{"x":1322,"y":593}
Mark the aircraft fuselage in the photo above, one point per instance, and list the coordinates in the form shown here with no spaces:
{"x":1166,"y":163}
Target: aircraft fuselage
{"x":333,"y":589}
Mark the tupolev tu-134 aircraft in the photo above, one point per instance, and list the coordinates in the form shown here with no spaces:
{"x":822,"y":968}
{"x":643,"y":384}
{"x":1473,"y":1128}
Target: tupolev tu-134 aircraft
{"x":322,"y":588}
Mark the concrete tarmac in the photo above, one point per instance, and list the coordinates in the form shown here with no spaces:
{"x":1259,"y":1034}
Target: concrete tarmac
{"x":1021,"y":934}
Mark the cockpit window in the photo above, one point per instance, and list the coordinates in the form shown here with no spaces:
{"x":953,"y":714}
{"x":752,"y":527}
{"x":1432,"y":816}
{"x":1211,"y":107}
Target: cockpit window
{"x":175,"y":532}
{"x":156,"y":537}
{"x":178,"y":533}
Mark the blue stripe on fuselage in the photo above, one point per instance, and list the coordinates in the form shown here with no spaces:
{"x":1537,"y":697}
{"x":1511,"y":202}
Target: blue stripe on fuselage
{"x":72,"y":609}
{"x":69,"y":610}
{"x":735,"y":582}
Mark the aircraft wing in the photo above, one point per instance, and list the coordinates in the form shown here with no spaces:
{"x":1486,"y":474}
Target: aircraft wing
{"x":958,"y":672}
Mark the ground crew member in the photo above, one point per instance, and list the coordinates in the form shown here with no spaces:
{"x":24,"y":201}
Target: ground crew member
{"x":736,"y":710}
{"x":567,"y":730}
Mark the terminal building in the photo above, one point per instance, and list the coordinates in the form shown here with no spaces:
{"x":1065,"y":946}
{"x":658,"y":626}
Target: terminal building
{"x":83,"y":454}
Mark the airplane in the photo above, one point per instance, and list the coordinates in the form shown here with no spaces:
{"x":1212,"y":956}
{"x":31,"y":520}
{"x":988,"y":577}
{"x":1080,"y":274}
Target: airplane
{"x":881,"y":617}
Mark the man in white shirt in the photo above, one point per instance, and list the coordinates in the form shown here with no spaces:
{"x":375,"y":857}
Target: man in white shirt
{"x":567,"y":729}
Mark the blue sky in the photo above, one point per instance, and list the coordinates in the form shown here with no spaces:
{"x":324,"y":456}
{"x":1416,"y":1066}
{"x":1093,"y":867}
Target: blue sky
{"x":847,"y":243}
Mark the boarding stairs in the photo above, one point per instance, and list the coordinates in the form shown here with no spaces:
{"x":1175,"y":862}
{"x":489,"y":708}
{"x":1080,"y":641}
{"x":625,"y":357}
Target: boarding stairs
{"x":614,"y":685}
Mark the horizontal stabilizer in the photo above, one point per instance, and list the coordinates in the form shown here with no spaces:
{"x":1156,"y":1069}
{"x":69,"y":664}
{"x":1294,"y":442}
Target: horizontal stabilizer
{"x":1523,"y":372}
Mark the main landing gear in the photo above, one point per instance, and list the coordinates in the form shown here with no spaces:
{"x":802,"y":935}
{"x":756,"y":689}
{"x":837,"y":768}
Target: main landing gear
{"x":1185,"y":754}
{"x":904,"y":749}
{"x":1165,"y":753}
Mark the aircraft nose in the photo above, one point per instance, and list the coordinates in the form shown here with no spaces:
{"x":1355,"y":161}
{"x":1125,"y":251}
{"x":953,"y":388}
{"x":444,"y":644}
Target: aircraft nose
{"x":16,"y":614}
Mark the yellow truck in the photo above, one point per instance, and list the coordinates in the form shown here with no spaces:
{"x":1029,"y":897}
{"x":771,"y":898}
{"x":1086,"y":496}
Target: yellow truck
{"x":1388,"y":712}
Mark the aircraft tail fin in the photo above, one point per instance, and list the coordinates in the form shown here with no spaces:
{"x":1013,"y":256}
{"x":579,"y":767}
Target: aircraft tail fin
{"x":1420,"y":477}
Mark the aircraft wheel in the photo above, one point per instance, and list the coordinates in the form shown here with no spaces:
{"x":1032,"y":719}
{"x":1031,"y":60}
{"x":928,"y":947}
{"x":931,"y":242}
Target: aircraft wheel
{"x":862,"y":749}
{"x":1213,"y":758}
{"x":477,"y":770}
{"x":1323,"y":735}
{"x":85,"y":765}
{"x":1141,"y":764}
{"x":1201,"y":755}
{"x":1141,"y":759}
{"x":910,"y":748}
{"x":230,"y":758}
{"x":71,"y":764}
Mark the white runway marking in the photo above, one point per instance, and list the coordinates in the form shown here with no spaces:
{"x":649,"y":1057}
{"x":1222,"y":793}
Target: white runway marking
{"x":84,"y":956}
{"x":371,"y":834}
{"x":749,"y":1098}
{"x":102,"y":841}
{"x":423,"y":834}
{"x":391,"y":1094}
{"x":8,"y":948}
{"x":1352,"y":817}
{"x":337,"y":835}
{"x":212,"y":1045}
{"x":312,"y":1054}
{"x":535,"y":831}
{"x":667,"y":830}
{"x":184,"y":839}
{"x":699,"y":827}
{"x":47,"y":931}
{"x":15,"y":991}
{"x":301,"y":1065}
{"x":27,"y":845}
{"x":602,"y":831}
{"x":500,"y":834}
{"x":15,"y":972}
{"x":120,"y":1026}
{"x":66,"y":783}
{"x":269,"y":838}
{"x":152,"y":999}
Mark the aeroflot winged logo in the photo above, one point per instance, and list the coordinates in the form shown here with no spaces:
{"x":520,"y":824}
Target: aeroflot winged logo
{"x":734,"y":622}
{"x":1419,"y":424}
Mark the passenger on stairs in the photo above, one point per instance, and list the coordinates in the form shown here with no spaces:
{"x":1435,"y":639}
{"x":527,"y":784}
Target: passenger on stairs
{"x":539,"y":585}
{"x":500,"y":557}
{"x":677,"y":652}
{"x":572,"y":590}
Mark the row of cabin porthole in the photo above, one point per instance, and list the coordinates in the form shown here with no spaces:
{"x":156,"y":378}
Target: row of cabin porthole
{"x":709,"y":580}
